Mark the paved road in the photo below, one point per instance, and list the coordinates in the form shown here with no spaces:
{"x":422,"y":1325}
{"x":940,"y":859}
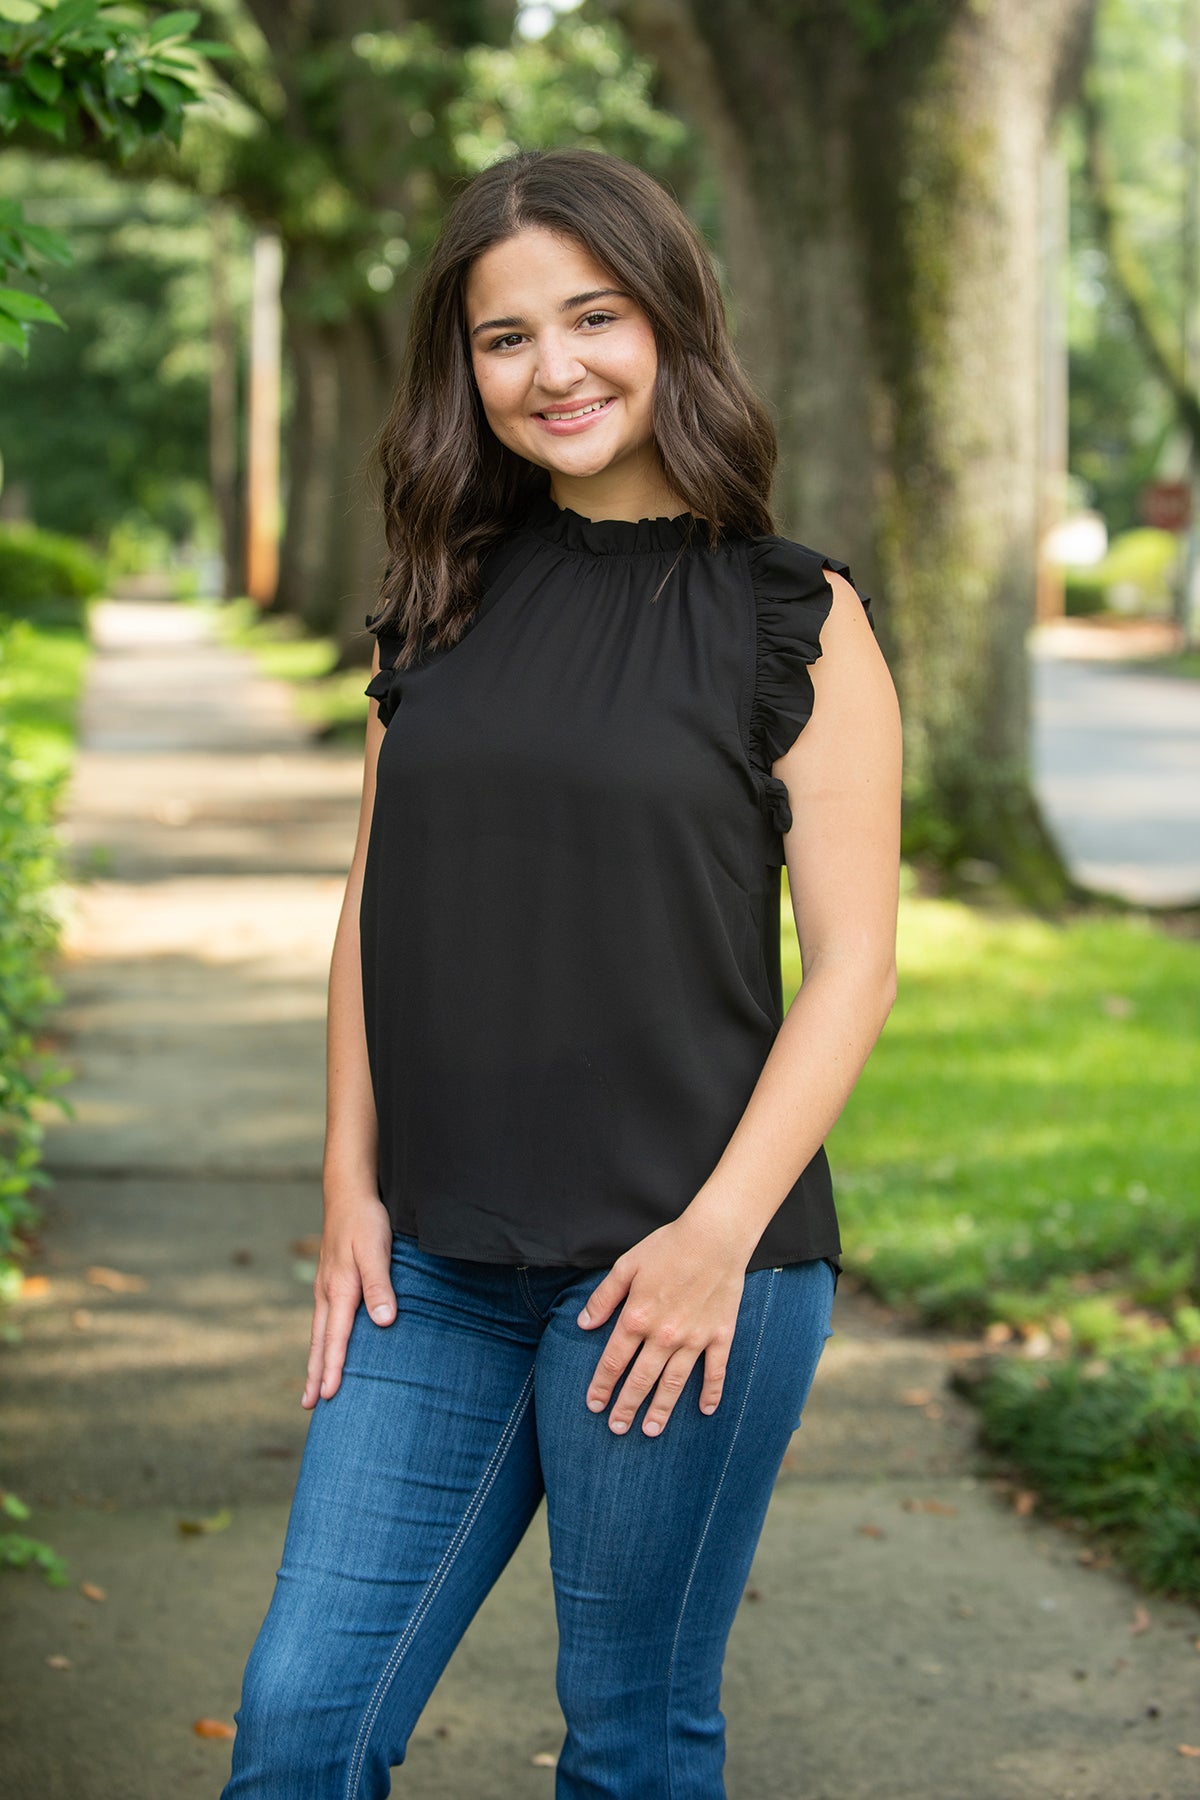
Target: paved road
{"x":905,"y":1635}
{"x":1116,"y":752}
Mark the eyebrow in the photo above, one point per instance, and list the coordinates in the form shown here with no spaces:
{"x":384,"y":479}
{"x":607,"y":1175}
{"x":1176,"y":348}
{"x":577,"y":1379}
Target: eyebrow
{"x":567,"y":306}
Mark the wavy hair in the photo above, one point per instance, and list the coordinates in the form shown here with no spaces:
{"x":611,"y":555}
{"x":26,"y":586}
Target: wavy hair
{"x":450,"y":489}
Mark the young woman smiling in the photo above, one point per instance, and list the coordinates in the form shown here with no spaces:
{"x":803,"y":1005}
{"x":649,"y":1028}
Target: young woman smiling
{"x":580,"y":1240}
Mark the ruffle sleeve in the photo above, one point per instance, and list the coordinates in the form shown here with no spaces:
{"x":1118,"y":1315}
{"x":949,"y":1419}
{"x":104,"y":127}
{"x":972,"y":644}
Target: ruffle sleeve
{"x":792,"y":601}
{"x":384,"y":686}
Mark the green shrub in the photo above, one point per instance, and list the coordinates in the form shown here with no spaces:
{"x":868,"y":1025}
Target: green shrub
{"x":44,"y":575}
{"x":1114,"y":1442}
{"x":29,"y":870}
{"x":1133,"y":577}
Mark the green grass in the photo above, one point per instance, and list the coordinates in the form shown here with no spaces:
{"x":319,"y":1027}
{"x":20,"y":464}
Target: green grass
{"x":1021,"y":1153}
{"x":1028,"y":1119}
{"x":329,"y":699}
{"x":1186,"y":663}
{"x":42,"y":666}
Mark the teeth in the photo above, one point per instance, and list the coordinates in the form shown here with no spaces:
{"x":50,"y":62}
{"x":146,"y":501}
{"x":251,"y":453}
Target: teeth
{"x":583,"y":411}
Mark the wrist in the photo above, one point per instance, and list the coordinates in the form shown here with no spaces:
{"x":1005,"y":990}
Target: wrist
{"x":720,"y":1221}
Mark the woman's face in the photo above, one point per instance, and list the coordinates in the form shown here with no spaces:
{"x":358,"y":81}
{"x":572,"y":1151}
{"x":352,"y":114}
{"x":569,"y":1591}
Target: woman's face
{"x":565,"y":364}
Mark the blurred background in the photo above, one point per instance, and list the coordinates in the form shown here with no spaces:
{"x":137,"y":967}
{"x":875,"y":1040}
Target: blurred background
{"x":960,"y":245}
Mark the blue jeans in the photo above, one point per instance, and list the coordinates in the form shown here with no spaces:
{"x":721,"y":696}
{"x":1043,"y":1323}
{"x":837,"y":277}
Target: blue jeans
{"x":420,"y":1477}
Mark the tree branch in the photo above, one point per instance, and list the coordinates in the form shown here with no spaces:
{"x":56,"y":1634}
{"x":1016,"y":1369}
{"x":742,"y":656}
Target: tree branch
{"x":1130,"y":276}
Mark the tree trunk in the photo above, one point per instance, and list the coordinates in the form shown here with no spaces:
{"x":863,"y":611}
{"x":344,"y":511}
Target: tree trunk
{"x":883,"y":197}
{"x":342,"y":374}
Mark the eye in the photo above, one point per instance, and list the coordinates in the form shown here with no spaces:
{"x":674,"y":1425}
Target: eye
{"x":503,"y":343}
{"x":598,"y":318}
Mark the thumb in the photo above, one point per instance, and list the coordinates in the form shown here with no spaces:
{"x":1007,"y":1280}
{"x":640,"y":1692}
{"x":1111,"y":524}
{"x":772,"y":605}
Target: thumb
{"x":377,"y":1292}
{"x":602,"y":1299}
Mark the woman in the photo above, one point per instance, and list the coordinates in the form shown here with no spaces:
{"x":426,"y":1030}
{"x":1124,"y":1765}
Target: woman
{"x":579,"y":1234}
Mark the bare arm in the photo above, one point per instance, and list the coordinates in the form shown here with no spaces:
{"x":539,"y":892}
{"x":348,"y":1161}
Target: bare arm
{"x":682,"y":1284}
{"x":356,"y":1238}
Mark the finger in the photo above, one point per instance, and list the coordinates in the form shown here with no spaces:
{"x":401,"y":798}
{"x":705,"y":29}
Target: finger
{"x":342,"y":1308}
{"x":671,"y":1384}
{"x":377,"y":1289}
{"x":604,"y":1297}
{"x":715,"y":1359}
{"x":641,"y":1378}
{"x":621,"y":1346}
{"x":316,"y":1352}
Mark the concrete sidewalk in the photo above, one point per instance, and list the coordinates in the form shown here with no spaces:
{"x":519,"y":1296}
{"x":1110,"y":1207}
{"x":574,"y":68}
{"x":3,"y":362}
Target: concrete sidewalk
{"x":1116,"y":758}
{"x":905,"y":1635}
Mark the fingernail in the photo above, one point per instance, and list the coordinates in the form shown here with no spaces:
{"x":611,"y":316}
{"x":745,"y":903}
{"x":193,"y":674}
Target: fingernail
{"x":619,"y":1425}
{"x":584,"y":1318}
{"x":382,"y":1315}
{"x":595,"y":1404}
{"x":710,"y":1406}
{"x":651,"y":1428}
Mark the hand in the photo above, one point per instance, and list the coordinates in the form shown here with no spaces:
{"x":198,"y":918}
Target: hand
{"x":354,"y":1265}
{"x":682,"y":1288}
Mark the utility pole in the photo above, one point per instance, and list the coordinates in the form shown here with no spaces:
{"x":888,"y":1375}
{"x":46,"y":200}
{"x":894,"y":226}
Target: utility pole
{"x":1189,"y":590}
{"x":262,"y":485}
{"x":222,"y":403}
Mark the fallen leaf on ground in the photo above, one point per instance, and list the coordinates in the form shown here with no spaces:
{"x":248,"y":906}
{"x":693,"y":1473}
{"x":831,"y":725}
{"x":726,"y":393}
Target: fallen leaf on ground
{"x":1189,"y":1749}
{"x":218,"y":1521}
{"x":213,"y":1728}
{"x":940,"y":1507}
{"x":307,"y":1246}
{"x":115,"y":1281}
{"x":916,"y":1396}
{"x":81,"y":1319}
{"x":1095,"y":1559}
{"x":871,"y":1531}
{"x":932,"y":1411}
{"x":1024,"y":1502}
{"x":998,"y":1333}
{"x":90,"y":1591}
{"x":752,"y":1593}
{"x":544,"y":1759}
{"x":1141,"y":1621}
{"x":242,"y":1258}
{"x":34,"y":1286}
{"x":59,"y":1662}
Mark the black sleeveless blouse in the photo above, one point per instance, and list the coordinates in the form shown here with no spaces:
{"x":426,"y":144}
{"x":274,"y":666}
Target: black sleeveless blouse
{"x":571,"y":902}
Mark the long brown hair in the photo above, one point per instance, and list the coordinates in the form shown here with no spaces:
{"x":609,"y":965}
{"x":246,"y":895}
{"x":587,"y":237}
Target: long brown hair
{"x":450,"y":489}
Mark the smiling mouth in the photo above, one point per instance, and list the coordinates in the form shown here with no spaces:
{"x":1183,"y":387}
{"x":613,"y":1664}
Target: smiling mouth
{"x":579,"y":412}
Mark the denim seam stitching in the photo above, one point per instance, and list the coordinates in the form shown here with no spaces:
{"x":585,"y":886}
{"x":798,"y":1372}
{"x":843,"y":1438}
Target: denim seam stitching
{"x":526,"y":1293}
{"x":712,"y":1509}
{"x":437,"y":1580}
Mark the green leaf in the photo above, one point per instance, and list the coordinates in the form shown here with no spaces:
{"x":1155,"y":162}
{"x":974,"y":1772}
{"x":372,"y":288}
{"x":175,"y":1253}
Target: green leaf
{"x":46,"y":243}
{"x":96,"y":109}
{"x":14,"y":335}
{"x":20,"y":305}
{"x":19,"y":12}
{"x":69,"y":17}
{"x":173,"y":24}
{"x":46,"y":118}
{"x":45,"y":80}
{"x":170,"y":94}
{"x":9,"y":110}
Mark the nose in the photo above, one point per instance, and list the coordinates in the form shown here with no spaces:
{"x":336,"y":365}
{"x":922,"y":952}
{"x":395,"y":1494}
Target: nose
{"x":558,"y":367}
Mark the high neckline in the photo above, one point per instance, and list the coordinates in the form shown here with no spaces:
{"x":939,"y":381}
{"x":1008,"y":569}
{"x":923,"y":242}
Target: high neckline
{"x":608,"y":537}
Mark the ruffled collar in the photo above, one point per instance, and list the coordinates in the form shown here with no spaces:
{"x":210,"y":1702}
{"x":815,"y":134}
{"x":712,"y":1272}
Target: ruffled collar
{"x":609,"y":537}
